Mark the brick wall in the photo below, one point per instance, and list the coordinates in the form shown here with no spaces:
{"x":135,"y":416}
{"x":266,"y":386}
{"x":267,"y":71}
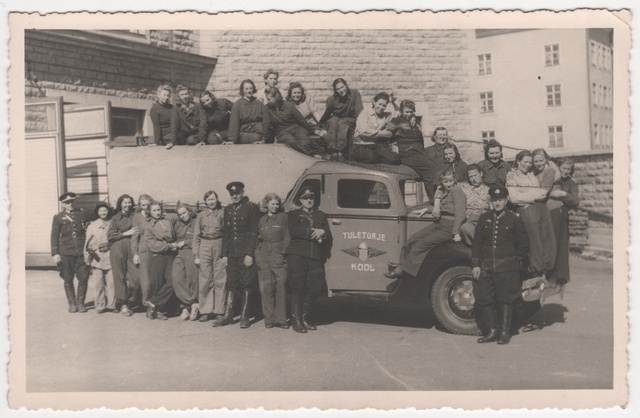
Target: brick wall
{"x":178,"y":40}
{"x":428,"y":66}
{"x":90,"y":63}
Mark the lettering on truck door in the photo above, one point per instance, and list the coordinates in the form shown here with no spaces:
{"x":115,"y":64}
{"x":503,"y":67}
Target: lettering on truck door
{"x":364,"y":220}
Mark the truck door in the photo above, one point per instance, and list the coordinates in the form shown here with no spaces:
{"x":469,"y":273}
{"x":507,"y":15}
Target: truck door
{"x":364,"y":214}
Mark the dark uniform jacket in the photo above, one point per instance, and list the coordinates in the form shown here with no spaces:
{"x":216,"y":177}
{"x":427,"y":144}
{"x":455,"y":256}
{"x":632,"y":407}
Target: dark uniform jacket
{"x":185,"y":120}
{"x":68,"y":232}
{"x":300,"y":224}
{"x":500,"y":242}
{"x":214,"y":118}
{"x":240,"y":232}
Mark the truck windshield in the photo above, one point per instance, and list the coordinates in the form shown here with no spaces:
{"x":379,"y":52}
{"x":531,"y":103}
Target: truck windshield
{"x":413,"y":192}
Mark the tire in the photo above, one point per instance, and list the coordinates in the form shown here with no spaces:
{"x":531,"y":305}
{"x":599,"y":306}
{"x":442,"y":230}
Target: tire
{"x":453,"y":302}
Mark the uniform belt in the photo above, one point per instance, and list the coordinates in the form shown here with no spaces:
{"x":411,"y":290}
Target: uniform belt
{"x":209,"y":237}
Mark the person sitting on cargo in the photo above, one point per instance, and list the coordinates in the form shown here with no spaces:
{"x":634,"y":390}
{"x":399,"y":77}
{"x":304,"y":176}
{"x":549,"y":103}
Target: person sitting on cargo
{"x":247,"y":114}
{"x":296,"y":94}
{"x":214,"y":121}
{"x":339,"y":118}
{"x":282,"y":120}
{"x":477,"y":201}
{"x":270,"y":80}
{"x":371,"y":139}
{"x":435,"y":158}
{"x":449,"y":211}
{"x":185,"y":119}
{"x":494,"y":168}
{"x":160,"y":115}
{"x":408,"y":136}
{"x":452,"y":159}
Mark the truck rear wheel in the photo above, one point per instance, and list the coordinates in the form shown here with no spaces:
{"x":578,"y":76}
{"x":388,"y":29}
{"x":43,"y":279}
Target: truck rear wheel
{"x":452,"y":301}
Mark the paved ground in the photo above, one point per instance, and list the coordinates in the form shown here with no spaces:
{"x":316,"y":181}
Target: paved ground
{"x":367,"y":346}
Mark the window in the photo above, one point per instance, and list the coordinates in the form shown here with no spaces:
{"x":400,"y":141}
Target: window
{"x":488,"y":135}
{"x":592,"y":50}
{"x":363,"y":194}
{"x":486,"y":102}
{"x":126,"y":122}
{"x":594,"y":94}
{"x":601,"y":56}
{"x":555,"y":136}
{"x":484,"y":64}
{"x":553,"y":95}
{"x":552,"y":55}
{"x":413,"y":192}
{"x":596,"y":136}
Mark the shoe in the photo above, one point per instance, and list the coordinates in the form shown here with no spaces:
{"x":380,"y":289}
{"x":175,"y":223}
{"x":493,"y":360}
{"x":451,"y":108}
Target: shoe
{"x":168,"y":146}
{"x":195,"y":309}
{"x":244,"y":310}
{"x":490,"y":337}
{"x":281,"y":325}
{"x":489,"y":317}
{"x":151,"y":310}
{"x":71,"y":297}
{"x":392,"y":266}
{"x":184,"y":315}
{"x":82,"y":292}
{"x":124,"y":310}
{"x":395,"y":274}
{"x":228,"y":310}
{"x":268,"y":324}
{"x":204,"y":317}
{"x":506,"y":312}
{"x":306,"y":317}
{"x":296,"y":314}
{"x":101,"y":311}
{"x":161,"y":316}
{"x":219,"y":321}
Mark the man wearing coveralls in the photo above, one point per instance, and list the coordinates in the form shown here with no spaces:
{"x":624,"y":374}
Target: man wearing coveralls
{"x":499,"y":244}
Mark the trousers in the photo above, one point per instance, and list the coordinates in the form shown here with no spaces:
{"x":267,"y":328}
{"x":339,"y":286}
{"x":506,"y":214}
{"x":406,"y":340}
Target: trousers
{"x":71,"y":266}
{"x":502,"y":287}
{"x":338,"y":132}
{"x":105,"y":293}
{"x":296,"y":137}
{"x":212,"y":278}
{"x":272,"y":278}
{"x":306,"y":277}
{"x":184,"y":277}
{"x":418,"y":245}
{"x":240,"y":277}
{"x":126,"y":282}
{"x":375,"y":154}
{"x":160,"y":281}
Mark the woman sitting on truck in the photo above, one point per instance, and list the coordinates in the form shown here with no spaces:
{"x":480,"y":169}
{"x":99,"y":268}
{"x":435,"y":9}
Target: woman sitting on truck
{"x":449,"y":211}
{"x":342,"y":109}
{"x":160,"y":115}
{"x":297,"y":95}
{"x":371,"y":139}
{"x":271,"y":78}
{"x":245,"y":124}
{"x":451,"y":158}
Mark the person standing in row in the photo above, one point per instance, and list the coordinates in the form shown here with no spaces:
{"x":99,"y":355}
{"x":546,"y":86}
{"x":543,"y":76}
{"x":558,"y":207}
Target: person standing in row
{"x":67,"y":243}
{"x":247,"y":114}
{"x":500,"y":243}
{"x":185,"y":119}
{"x":309,"y":249}
{"x":214,"y":120}
{"x":125,"y":275}
{"x":342,"y":109}
{"x":239,"y":241}
{"x":207,"y":247}
{"x":184,"y":275}
{"x":494,"y":168}
{"x":96,"y":255}
{"x":273,"y":240}
{"x":139,"y":247}
{"x":160,"y":115}
{"x":371,"y":138}
{"x":283,"y":120}
{"x":161,"y":240}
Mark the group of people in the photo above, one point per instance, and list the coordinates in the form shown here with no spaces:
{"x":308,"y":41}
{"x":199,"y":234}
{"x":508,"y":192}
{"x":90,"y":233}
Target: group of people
{"x":516,"y":218}
{"x":202,"y":263}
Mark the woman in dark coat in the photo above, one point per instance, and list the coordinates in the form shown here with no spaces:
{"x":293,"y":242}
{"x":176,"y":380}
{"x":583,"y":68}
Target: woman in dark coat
{"x":160,"y":115}
{"x":452,"y":160}
{"x":342,"y":110}
{"x":245,"y":125}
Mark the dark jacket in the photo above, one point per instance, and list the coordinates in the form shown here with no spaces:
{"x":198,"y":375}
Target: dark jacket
{"x":185,"y":121}
{"x":68,"y":232}
{"x":343,"y":107}
{"x":281,"y":118}
{"x":240,"y":232}
{"x":215,"y":118}
{"x":499,"y":243}
{"x":300,"y":224}
{"x":161,"y":119}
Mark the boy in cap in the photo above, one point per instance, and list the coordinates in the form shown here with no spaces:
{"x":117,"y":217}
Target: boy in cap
{"x":239,"y":240}
{"x":309,"y":248}
{"x":499,"y":243}
{"x":67,"y":249}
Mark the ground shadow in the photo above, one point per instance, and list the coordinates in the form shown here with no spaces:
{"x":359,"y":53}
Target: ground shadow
{"x":548,"y":315}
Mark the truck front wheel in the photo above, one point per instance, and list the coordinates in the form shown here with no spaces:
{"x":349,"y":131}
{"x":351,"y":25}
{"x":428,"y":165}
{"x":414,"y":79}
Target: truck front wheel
{"x":452,"y":301}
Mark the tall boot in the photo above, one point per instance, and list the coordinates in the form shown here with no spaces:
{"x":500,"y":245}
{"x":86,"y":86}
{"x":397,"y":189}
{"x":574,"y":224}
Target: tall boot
{"x":296,"y":313}
{"x":230,"y":296}
{"x":71,"y":296}
{"x":244,"y":310}
{"x":489,"y":316}
{"x":82,"y":293}
{"x":306,"y":317}
{"x":505,"y":323}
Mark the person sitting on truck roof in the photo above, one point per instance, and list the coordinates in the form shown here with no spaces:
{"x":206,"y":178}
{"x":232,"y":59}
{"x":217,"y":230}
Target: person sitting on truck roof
{"x":296,"y":94}
{"x":160,"y":115}
{"x":282,"y":120}
{"x":451,"y":158}
{"x":435,"y":158}
{"x":494,"y":168}
{"x":247,"y":114}
{"x":407,"y":133}
{"x":449,"y":210}
{"x":214,"y":121}
{"x":271,"y":78}
{"x":339,"y":118}
{"x":371,"y":139}
{"x":477,"y":201}
{"x":185,"y":119}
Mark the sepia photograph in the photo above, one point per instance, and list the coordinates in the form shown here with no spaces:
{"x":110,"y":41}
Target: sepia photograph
{"x":374,"y":210}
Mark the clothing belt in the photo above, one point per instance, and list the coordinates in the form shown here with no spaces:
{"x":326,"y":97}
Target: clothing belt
{"x":209,"y":237}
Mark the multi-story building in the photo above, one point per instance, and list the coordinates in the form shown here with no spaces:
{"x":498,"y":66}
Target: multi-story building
{"x":546,"y":88}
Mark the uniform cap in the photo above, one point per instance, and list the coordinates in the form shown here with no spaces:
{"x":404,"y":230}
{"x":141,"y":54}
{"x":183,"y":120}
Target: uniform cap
{"x":306,"y":192}
{"x":498,"y":192}
{"x":67,"y":197}
{"x":235,"y":187}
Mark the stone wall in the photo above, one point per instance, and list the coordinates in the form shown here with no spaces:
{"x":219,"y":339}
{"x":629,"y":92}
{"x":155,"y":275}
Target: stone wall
{"x":431,"y":67}
{"x":178,"y":40}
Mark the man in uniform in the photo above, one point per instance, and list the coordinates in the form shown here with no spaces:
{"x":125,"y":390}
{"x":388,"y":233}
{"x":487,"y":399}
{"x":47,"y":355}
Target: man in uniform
{"x":67,"y":248}
{"x":239,"y":240}
{"x":499,"y":243}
